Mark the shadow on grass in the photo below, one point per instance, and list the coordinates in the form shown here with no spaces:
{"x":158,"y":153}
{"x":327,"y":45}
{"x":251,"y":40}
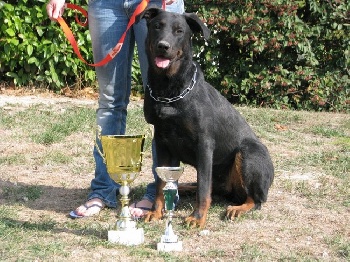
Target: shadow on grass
{"x":41,"y":197}
{"x":49,"y":226}
{"x":63,"y":200}
{"x":49,"y":198}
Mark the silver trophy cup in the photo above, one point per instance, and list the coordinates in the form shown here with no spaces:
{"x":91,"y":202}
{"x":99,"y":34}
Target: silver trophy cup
{"x":170,"y":175}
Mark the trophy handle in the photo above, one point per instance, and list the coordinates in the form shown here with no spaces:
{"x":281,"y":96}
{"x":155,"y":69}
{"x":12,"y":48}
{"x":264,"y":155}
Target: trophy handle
{"x":98,"y":135}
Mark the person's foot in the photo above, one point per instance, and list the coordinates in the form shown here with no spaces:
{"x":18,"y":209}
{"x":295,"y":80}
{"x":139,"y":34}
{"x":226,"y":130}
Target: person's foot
{"x":90,"y":208}
{"x":141,"y":208}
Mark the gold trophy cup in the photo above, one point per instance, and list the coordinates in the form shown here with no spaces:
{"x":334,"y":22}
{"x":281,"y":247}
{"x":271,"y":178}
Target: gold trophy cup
{"x":122,"y":155}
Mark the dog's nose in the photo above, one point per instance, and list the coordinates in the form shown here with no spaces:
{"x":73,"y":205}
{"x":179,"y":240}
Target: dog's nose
{"x":164,"y":45}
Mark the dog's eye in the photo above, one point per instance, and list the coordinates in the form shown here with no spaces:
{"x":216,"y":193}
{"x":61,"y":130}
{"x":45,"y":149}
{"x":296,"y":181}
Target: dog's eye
{"x":157,"y":26}
{"x":179,"y":31}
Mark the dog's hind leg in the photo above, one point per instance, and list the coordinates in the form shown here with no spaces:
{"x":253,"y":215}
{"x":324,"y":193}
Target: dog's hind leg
{"x":250,"y":178}
{"x":236,"y":186}
{"x":236,"y":211}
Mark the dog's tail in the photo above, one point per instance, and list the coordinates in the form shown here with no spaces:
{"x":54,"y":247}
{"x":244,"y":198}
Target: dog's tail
{"x":187,"y":187}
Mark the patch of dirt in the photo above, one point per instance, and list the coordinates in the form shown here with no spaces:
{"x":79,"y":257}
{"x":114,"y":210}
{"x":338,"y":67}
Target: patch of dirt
{"x":26,"y":97}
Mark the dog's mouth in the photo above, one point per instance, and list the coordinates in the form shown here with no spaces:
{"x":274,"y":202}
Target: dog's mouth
{"x":162,"y":62}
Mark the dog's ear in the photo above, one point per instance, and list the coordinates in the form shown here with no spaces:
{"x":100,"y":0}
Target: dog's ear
{"x":151,"y":12}
{"x":197,"y":25}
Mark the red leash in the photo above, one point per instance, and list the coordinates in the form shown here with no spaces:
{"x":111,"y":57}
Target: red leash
{"x":140,"y":8}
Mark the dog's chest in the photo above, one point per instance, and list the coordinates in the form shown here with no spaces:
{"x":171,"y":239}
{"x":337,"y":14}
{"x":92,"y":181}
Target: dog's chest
{"x":174,"y":123}
{"x":166,"y":111}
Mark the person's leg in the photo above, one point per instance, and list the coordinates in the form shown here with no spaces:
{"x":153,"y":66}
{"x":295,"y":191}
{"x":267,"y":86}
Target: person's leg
{"x":107,"y":22}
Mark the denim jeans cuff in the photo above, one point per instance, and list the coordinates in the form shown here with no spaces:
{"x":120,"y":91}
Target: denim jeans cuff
{"x":108,"y":203}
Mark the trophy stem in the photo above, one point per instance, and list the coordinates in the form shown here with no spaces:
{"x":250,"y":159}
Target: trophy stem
{"x":124,"y":191}
{"x":126,"y":232}
{"x":125,"y":222}
{"x":169,"y":235}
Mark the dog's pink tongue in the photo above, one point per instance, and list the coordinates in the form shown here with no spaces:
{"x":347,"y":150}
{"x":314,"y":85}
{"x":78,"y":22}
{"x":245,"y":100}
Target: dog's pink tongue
{"x":162,"y":62}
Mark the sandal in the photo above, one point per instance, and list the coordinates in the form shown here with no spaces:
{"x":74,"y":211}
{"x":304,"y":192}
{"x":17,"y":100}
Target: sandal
{"x":140,"y":209}
{"x":89,"y":209}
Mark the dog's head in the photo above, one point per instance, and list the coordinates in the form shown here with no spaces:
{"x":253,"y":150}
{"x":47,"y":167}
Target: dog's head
{"x":169,"y":37}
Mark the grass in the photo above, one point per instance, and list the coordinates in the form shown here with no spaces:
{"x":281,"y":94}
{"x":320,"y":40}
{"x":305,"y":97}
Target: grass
{"x":15,"y":159}
{"x":46,"y":166}
{"x":341,"y":244}
{"x":47,"y":126}
{"x":24,"y":193}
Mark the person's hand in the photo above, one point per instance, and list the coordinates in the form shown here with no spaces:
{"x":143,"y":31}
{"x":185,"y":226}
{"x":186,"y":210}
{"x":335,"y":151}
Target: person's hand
{"x":55,"y":9}
{"x":169,"y":2}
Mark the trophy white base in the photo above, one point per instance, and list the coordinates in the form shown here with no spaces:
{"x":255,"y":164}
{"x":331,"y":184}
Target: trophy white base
{"x":130,"y":237}
{"x":168,"y":247}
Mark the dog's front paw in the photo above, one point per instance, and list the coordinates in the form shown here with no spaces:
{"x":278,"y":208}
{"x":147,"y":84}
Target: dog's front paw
{"x":153,"y":216}
{"x":193,"y":221}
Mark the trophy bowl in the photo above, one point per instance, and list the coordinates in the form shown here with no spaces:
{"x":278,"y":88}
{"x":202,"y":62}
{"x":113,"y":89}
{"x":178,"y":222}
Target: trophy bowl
{"x":169,"y":174}
{"x":123,"y":156}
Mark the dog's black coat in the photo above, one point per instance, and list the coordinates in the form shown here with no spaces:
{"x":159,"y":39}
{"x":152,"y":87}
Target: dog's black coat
{"x":200,"y":127}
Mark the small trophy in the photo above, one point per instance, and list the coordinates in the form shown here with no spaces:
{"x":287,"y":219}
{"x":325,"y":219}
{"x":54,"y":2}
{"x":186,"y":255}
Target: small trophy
{"x":122,"y":155}
{"x":169,"y":241}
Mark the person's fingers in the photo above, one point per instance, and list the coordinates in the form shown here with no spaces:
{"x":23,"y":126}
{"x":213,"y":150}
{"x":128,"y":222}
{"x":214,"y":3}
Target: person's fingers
{"x":57,"y":12}
{"x":169,"y":2}
{"x":55,"y":9}
{"x":49,"y":9}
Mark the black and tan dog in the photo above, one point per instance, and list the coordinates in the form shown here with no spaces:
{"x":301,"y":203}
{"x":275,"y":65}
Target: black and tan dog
{"x":196,"y":125}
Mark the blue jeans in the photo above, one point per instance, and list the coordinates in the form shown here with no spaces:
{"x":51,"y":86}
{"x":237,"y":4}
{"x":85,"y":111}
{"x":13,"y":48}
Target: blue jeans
{"x":107,"y":22}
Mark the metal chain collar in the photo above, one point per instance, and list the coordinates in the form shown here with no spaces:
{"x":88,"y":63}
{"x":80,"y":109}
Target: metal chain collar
{"x":176,"y":98}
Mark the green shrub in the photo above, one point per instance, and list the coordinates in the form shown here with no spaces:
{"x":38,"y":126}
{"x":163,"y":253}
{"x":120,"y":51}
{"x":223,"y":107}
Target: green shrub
{"x":278,"y":53}
{"x":273,"y":53}
{"x":36,"y":51}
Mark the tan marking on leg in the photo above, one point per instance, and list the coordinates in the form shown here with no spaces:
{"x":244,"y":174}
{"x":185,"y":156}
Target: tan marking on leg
{"x":158,"y":206}
{"x":235,"y":179}
{"x":199,"y":216}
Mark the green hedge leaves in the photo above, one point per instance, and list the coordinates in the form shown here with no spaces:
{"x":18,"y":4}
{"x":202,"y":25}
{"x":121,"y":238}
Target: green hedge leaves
{"x":278,"y":53}
{"x":36,"y":51}
{"x":273,"y":53}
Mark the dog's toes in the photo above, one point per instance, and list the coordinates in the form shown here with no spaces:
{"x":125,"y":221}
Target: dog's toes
{"x":236,"y":211}
{"x":153,"y":216}
{"x":190,"y":223}
{"x":233,"y":211}
{"x":193,"y":222}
